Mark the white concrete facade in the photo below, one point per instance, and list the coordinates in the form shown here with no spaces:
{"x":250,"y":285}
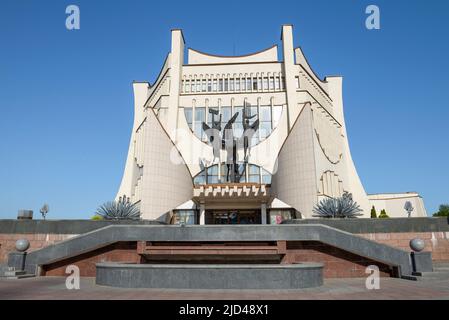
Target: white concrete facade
{"x":301,"y":148}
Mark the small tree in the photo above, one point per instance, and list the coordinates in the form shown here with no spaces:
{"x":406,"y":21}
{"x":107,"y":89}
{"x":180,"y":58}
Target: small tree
{"x":443,"y":211}
{"x":373,"y":213}
{"x":383,"y":214}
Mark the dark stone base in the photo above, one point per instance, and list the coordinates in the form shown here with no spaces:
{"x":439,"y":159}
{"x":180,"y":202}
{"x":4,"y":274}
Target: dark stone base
{"x":422,"y":261}
{"x":16,"y":260}
{"x":188,"y":276}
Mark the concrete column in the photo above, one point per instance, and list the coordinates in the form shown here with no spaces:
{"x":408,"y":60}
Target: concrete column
{"x":176,"y":62}
{"x":289,"y":72}
{"x":202,"y":214}
{"x":263,"y":213}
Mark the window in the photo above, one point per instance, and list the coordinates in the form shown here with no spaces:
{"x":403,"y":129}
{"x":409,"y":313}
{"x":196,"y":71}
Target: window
{"x":187,"y":86}
{"x":277,"y":215}
{"x":200,"y":117}
{"x":204,"y":85}
{"x":200,"y":178}
{"x":271,"y":83}
{"x":277,"y":85}
{"x":265,"y":114}
{"x":237,"y":84}
{"x":220,"y":85}
{"x":231,"y":85}
{"x":209,"y":85}
{"x":198,"y":85}
{"x":259,"y":83}
{"x":255,"y":84}
{"x":238,"y":127}
{"x":215,"y":85}
{"x":185,"y":217}
{"x":224,"y":173}
{"x":226,"y":116}
{"x":212,"y":174}
{"x":192,"y":85}
{"x":252,"y":110}
{"x":248,"y":84}
{"x":264,"y":130}
{"x":242,"y":84}
{"x":226,"y":85}
{"x":266,"y":177}
{"x":268,"y":116}
{"x":253,"y":173}
{"x":188,"y":114}
{"x":265,"y":83}
{"x":265,"y":121}
{"x":243,"y":179}
{"x":297,"y":82}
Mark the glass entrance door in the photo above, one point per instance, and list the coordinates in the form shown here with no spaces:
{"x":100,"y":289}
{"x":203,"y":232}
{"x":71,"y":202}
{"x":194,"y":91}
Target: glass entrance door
{"x":251,"y":216}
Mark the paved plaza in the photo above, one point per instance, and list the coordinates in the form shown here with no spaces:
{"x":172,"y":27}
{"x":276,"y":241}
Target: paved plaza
{"x":346,"y":289}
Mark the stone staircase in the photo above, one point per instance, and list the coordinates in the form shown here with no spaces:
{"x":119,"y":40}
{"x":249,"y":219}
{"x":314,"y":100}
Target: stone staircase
{"x":440,"y":272}
{"x":10,"y":273}
{"x":3,"y":268}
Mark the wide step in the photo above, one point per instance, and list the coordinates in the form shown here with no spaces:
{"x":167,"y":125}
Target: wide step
{"x":432,"y":276}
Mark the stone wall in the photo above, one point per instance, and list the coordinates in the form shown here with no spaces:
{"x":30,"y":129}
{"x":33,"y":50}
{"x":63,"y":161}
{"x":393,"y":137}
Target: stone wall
{"x":392,"y":225}
{"x":37,"y":241}
{"x":125,"y":252}
{"x":42,"y":233}
{"x":436,"y":242}
{"x":337,"y":263}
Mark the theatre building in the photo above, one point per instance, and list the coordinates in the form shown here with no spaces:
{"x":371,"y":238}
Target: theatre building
{"x":250,"y":139}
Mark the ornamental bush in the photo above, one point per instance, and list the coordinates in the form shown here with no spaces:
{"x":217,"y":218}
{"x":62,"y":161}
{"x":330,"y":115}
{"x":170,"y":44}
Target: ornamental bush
{"x":373,"y":213}
{"x":383,"y":214}
{"x":443,"y":211}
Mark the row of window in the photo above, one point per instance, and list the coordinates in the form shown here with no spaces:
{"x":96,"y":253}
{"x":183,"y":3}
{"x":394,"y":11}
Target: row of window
{"x":190,"y":216}
{"x":215,"y":174}
{"x":244,"y":84}
{"x":268,"y":116}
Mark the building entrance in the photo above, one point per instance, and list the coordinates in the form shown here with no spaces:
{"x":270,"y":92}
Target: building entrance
{"x":246,"y":216}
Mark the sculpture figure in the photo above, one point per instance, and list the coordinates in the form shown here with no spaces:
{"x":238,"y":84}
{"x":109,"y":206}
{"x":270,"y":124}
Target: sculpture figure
{"x":231,"y":144}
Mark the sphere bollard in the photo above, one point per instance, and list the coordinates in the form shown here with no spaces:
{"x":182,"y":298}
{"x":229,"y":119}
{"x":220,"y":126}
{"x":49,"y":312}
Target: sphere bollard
{"x":22,"y":245}
{"x":417,"y":245}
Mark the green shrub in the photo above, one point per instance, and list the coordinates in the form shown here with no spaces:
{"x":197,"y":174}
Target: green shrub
{"x":96,"y":217}
{"x":373,"y":213}
{"x":443,"y":211}
{"x":383,"y":214}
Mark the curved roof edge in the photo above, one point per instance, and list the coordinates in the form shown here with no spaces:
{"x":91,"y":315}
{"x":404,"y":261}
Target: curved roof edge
{"x":265,"y":55}
{"x":302,"y":60}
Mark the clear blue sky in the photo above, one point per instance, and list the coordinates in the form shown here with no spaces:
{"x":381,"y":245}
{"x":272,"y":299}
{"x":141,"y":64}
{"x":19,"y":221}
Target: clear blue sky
{"x":67,"y":106}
